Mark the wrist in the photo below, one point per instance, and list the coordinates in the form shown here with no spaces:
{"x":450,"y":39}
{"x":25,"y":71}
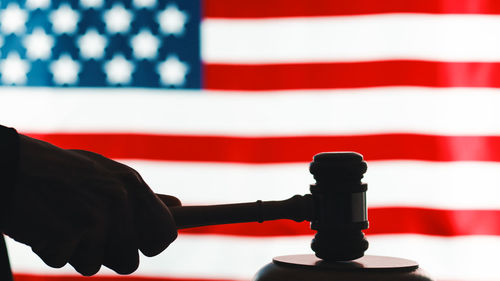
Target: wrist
{"x":9,"y":164}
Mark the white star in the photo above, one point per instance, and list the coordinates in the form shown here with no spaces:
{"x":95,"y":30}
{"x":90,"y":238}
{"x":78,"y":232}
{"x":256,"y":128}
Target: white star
{"x":92,"y":45}
{"x":91,"y":3}
{"x":13,"y":19}
{"x":144,"y":3}
{"x":173,"y":71}
{"x":118,"y":70}
{"x":37,"y":4}
{"x":65,"y":70}
{"x":117,"y":19}
{"x":64,"y":19}
{"x":145,"y":45}
{"x":14,"y":69}
{"x":38,"y":44}
{"x":172,"y":20}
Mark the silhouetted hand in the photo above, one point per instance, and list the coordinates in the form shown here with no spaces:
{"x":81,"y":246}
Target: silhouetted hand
{"x":79,"y":207}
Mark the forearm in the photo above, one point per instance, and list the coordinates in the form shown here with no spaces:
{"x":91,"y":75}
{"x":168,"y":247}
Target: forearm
{"x":9,"y":158}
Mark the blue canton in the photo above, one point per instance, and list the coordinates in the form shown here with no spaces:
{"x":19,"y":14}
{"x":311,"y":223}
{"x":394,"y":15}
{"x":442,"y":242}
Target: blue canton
{"x":100,"y":43}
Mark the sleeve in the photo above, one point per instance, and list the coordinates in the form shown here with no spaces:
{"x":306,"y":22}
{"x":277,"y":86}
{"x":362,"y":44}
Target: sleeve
{"x":9,"y":158}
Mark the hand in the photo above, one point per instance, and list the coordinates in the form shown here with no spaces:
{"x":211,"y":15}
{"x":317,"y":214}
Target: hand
{"x":79,"y":207}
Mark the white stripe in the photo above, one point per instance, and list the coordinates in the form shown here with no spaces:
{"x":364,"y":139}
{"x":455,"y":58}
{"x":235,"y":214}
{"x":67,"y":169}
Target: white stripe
{"x":207,"y":256}
{"x":457,"y":185}
{"x":462,"y":111}
{"x":459,"y":258}
{"x":354,"y":38}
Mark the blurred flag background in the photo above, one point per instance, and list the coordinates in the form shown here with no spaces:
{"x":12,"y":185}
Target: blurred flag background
{"x":219,"y":101}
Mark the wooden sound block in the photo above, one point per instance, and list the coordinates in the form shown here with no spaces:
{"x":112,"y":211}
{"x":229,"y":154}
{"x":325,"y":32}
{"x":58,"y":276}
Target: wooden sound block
{"x":367,"y":268}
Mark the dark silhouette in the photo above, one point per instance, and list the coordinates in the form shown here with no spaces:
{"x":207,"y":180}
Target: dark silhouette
{"x":78,"y":207}
{"x":336,"y":208}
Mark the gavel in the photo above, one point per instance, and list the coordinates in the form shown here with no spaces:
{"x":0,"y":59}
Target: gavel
{"x":336,"y":208}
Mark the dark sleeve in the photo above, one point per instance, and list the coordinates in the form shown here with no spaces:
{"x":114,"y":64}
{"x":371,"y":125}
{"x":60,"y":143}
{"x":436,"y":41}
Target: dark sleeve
{"x":9,"y":157}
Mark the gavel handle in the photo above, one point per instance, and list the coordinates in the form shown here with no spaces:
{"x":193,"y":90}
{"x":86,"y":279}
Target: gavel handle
{"x":297,"y":208}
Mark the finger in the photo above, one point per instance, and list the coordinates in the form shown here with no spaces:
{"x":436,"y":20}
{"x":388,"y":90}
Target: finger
{"x":88,"y":256}
{"x":56,"y":259}
{"x":169,"y":200}
{"x":154,"y":223}
{"x":56,"y":251}
{"x":121,"y":252}
{"x":122,"y":256}
{"x":53,"y":240}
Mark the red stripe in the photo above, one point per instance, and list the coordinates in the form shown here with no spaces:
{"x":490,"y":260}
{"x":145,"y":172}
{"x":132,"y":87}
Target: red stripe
{"x":258,"y":77}
{"x":33,"y":277}
{"x":301,"y":8}
{"x":260,"y":150}
{"x":386,"y":220}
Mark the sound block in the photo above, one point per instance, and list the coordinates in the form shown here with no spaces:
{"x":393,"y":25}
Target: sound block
{"x":367,"y":268}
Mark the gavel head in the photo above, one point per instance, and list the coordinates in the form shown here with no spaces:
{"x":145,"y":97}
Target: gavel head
{"x":339,"y":200}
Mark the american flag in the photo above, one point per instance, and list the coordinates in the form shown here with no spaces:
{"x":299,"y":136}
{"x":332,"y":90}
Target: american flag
{"x":222,"y":101}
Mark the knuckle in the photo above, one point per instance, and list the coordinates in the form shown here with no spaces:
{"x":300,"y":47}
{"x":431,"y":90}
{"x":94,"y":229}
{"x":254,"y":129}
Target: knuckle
{"x":87,"y":270}
{"x":153,"y":249}
{"x":148,"y":248}
{"x":53,"y":260}
{"x":124,"y":265}
{"x":127,"y":269}
{"x":170,"y":237}
{"x":155,"y":237}
{"x":52,"y":254}
{"x":132,"y":177}
{"x":121,"y":194}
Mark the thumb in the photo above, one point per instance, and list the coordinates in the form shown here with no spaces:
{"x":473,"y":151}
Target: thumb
{"x":169,"y":200}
